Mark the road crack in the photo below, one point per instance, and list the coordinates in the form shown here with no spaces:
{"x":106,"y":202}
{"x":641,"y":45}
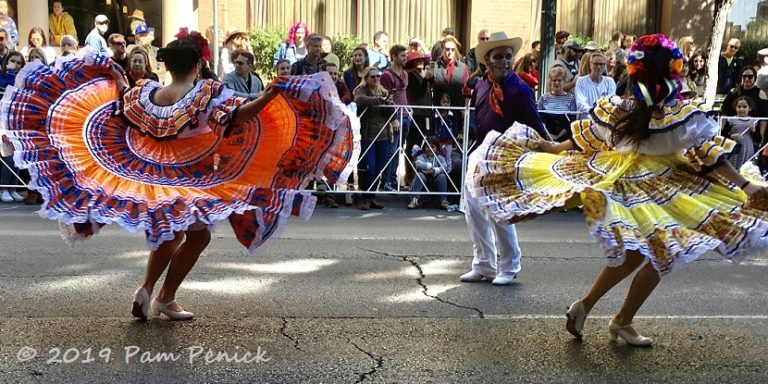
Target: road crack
{"x":379,"y":363}
{"x":284,"y":331}
{"x":420,"y":281}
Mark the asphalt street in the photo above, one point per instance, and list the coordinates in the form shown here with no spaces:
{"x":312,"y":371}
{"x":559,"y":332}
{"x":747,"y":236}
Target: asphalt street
{"x":364,"y":297}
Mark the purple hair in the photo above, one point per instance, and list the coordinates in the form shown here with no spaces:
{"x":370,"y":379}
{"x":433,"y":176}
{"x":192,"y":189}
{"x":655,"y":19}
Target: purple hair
{"x":291,"y":40}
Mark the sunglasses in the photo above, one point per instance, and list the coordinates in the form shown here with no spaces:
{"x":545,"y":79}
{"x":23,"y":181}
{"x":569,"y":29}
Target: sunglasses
{"x":102,"y":22}
{"x":374,"y":76}
{"x":747,"y":76}
{"x":485,"y":38}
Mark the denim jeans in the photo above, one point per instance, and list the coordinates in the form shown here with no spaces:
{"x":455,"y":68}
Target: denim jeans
{"x":436,"y":183}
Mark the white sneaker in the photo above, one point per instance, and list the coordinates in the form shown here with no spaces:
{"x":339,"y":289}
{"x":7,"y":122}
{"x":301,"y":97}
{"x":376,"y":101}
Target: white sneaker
{"x":16,"y":197}
{"x":503,"y":279}
{"x":474,"y":277}
{"x":6,"y":197}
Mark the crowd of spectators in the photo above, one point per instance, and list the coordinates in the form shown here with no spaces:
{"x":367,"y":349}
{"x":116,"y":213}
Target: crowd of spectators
{"x":402,"y":92}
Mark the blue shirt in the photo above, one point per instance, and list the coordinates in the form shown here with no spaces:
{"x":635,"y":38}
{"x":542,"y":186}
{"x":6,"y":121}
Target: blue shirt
{"x":97,"y":42}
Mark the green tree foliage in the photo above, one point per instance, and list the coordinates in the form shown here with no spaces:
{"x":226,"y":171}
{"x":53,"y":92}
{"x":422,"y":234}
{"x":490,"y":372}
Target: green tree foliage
{"x":748,"y":50}
{"x":343,"y":46}
{"x":265,"y":43}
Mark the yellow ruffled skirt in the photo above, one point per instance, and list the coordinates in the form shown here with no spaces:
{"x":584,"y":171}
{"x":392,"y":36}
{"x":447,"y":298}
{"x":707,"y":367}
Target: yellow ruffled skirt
{"x":657,"y":205}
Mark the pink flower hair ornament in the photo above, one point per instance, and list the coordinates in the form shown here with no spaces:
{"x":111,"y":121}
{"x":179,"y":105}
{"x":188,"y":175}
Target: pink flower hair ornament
{"x":200,"y":41}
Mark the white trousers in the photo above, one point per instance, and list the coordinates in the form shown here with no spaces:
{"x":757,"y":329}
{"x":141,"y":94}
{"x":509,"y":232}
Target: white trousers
{"x":495,"y":247}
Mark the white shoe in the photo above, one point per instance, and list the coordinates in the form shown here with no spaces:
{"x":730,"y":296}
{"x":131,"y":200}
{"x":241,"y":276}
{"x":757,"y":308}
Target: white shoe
{"x":629,"y":335}
{"x":158,"y":308}
{"x":503,"y":279}
{"x":474,"y":277}
{"x":576,"y":317}
{"x":16,"y":197}
{"x":140,"y":308}
{"x":6,"y":197}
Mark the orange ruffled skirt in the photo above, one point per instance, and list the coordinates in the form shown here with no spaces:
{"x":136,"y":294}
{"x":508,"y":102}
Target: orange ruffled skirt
{"x":94,"y":168}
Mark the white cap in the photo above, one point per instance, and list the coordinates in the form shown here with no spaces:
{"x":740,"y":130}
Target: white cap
{"x":101,"y":19}
{"x":763,"y":52}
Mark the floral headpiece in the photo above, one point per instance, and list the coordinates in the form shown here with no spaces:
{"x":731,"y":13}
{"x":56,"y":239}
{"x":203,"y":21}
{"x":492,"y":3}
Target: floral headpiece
{"x":643,"y":54}
{"x":200,"y":41}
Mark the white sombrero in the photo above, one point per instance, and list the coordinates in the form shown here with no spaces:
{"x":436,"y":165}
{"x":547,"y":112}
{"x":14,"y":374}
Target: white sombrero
{"x":498,"y":39}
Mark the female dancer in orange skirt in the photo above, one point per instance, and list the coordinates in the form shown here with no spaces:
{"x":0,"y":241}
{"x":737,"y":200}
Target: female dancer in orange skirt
{"x":173,"y":160}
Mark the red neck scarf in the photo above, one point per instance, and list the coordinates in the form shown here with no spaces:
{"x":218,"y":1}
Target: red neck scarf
{"x":497,"y":96}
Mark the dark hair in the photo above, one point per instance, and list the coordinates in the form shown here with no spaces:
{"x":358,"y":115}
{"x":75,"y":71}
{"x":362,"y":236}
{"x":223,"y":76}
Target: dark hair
{"x":282,"y":61}
{"x":40,"y":32}
{"x":747,"y":68}
{"x":692,"y":71}
{"x":749,"y":101}
{"x":180,"y":56}
{"x":329,"y":64}
{"x":241,"y":52}
{"x":8,"y":57}
{"x":396,"y":50}
{"x":634,"y":125}
{"x":314,"y":37}
{"x":535,"y":43}
{"x":367,"y":61}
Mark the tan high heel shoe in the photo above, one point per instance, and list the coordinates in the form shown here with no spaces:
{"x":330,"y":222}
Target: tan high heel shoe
{"x":629,"y":335}
{"x":576,"y":317}
{"x":158,"y":308}
{"x":140,"y":304}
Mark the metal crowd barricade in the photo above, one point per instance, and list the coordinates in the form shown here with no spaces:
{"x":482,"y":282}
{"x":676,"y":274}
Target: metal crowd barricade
{"x":7,"y":167}
{"x":401,"y":156}
{"x":763,"y":130}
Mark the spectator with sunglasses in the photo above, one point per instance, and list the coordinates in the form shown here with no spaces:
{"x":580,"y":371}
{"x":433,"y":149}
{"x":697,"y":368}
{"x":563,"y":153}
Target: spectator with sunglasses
{"x":95,"y":40}
{"x":728,"y":67}
{"x":476,"y":69}
{"x":119,"y":55}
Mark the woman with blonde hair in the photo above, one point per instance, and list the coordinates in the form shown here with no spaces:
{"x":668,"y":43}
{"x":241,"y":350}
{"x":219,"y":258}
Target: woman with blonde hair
{"x":687,"y":47}
{"x":584,"y":64}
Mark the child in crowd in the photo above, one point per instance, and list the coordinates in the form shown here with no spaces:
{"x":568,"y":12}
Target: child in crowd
{"x":283,"y":67}
{"x":557,"y":100}
{"x":445,"y":128}
{"x":741,"y":128}
{"x":431,"y":171}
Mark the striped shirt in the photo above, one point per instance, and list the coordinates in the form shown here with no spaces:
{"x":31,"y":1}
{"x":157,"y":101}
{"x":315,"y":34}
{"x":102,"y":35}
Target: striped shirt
{"x":552,"y":102}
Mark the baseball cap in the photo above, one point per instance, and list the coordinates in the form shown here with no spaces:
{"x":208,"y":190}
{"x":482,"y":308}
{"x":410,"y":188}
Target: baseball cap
{"x":572,"y":45}
{"x":562,"y":35}
{"x":142,"y":29}
{"x":101,"y":19}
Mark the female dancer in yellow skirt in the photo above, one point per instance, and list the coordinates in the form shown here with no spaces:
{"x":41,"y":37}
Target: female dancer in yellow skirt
{"x":651,"y":174}
{"x":173,"y":160}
